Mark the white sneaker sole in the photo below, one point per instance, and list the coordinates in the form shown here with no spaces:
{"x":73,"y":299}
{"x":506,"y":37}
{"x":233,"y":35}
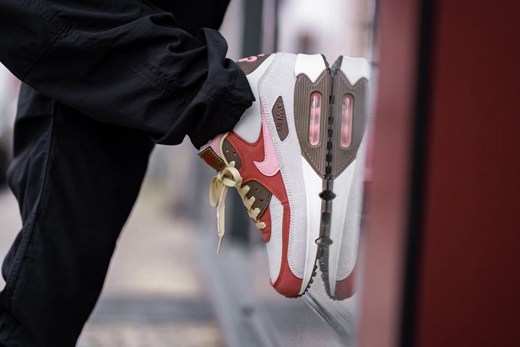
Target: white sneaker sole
{"x":343,"y":194}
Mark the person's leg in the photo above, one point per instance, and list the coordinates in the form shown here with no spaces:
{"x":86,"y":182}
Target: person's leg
{"x":76,"y":181}
{"x":128,"y":63}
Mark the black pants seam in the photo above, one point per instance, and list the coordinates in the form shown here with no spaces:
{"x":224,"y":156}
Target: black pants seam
{"x":27,"y":233}
{"x":51,"y":18}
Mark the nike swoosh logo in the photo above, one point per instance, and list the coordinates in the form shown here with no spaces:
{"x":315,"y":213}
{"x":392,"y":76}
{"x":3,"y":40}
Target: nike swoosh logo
{"x":269,"y":166}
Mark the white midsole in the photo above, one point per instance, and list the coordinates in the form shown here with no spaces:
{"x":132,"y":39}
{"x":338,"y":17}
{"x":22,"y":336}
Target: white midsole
{"x":342,"y":188}
{"x":302,"y":184}
{"x":313,"y":188}
{"x":312,"y":66}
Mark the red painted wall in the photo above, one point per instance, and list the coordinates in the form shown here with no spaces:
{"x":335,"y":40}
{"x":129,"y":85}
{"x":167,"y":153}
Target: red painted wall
{"x":384,"y":238}
{"x":470,"y":274}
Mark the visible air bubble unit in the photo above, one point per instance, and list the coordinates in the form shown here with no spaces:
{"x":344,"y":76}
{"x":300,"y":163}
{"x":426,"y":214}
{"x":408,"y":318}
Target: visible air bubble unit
{"x":311,"y":113}
{"x":349,"y":125}
{"x":346,"y":121}
{"x":314,"y":119}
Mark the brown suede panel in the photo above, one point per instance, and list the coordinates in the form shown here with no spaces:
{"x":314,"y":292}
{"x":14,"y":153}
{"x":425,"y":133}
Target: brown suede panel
{"x":212,"y":159}
{"x":248,"y":65}
{"x":231,"y":154}
{"x":262,"y":196}
{"x":280,"y":119}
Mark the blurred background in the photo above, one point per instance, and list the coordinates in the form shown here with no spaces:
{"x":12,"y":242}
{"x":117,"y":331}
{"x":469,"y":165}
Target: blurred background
{"x":166,"y":286}
{"x":440,"y":266}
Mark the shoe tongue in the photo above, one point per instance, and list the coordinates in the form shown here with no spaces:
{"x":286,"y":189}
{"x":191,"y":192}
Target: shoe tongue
{"x":212,"y":154}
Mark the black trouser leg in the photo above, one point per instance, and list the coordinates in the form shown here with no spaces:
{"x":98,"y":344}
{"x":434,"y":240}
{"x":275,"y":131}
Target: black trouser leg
{"x":76,"y":181}
{"x":116,"y":76}
{"x":129,"y":63}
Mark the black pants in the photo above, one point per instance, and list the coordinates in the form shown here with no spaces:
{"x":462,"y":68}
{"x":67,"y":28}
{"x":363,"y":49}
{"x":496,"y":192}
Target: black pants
{"x":103,"y":82}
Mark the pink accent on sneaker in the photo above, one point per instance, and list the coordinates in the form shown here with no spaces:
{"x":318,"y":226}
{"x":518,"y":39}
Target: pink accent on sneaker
{"x":250,"y":59}
{"x":314,"y":119}
{"x":346,"y":121}
{"x":269,"y":166}
{"x":215,"y":145}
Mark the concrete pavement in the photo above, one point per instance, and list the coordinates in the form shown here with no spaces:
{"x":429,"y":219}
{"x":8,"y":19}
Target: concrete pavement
{"x":154,"y":294}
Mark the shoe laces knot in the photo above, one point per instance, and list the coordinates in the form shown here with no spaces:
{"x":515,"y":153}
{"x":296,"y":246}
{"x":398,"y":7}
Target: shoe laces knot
{"x":230,"y":177}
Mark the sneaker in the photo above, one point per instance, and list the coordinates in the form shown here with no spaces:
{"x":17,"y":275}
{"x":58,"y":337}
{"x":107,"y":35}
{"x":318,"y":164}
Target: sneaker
{"x":343,"y":196}
{"x":275,"y":157}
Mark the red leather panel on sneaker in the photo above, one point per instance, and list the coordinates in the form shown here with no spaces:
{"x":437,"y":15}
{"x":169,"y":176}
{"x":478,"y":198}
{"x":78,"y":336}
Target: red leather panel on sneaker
{"x":266,"y":218}
{"x":345,"y":288}
{"x":287,"y":283}
{"x":255,"y":152}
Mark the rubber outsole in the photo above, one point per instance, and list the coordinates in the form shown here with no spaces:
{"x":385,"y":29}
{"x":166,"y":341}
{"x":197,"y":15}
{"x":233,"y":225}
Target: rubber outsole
{"x":306,"y":90}
{"x":327,"y":158}
{"x":338,"y":158}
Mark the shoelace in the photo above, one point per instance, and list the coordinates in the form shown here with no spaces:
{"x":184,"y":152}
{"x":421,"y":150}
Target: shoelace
{"x":227,"y":178}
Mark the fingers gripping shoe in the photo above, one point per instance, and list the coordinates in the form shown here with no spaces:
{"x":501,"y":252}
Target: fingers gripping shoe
{"x":344,"y":187}
{"x":262,"y":158}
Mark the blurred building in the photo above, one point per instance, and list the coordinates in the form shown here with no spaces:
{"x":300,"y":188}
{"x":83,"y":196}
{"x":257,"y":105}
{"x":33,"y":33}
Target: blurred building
{"x":8,"y":98}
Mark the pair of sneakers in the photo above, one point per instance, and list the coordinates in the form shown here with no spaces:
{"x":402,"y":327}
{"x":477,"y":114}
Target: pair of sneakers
{"x":294,"y":158}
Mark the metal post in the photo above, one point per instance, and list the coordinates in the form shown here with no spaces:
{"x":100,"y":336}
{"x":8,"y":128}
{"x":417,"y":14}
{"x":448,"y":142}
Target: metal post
{"x":251,"y":45}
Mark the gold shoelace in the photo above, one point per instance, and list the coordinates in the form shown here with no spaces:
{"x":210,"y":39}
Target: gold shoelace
{"x":220,"y":183}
